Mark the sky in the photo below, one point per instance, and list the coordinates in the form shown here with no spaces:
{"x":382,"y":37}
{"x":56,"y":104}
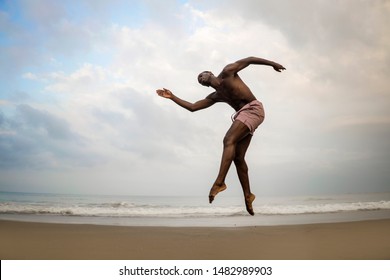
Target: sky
{"x":79,"y":113}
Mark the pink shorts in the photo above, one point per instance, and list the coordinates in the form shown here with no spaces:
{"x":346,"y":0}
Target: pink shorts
{"x":252,"y":115}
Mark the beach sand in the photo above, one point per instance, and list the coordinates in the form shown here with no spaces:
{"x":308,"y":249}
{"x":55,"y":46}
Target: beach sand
{"x":352,"y":240}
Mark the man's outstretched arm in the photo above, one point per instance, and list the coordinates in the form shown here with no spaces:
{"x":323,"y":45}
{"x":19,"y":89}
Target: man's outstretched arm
{"x":199,"y":105}
{"x":243,"y":63}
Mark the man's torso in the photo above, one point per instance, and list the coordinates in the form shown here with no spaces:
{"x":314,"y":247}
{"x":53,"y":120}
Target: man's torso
{"x":233,"y":91}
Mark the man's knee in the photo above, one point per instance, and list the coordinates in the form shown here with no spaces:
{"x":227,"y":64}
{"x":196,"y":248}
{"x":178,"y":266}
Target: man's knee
{"x":228,"y":141}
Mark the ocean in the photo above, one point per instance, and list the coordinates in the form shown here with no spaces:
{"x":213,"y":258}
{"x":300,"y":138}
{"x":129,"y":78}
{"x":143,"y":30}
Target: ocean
{"x":191,"y":211}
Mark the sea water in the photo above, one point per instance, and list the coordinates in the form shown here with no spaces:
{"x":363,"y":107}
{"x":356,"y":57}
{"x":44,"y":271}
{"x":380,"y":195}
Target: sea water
{"x":191,"y":211}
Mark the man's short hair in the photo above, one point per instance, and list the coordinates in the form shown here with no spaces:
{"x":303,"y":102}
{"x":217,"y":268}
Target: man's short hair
{"x":205,"y":72}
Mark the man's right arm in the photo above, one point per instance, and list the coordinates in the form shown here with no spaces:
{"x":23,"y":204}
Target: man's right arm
{"x":199,"y":105}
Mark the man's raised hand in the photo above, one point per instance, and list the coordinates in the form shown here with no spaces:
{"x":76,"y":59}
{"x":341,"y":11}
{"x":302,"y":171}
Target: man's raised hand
{"x":277,"y":67}
{"x":166,"y":93}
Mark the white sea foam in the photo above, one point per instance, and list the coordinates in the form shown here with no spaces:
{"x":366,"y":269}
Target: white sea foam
{"x":126,"y":209}
{"x":322,"y":208}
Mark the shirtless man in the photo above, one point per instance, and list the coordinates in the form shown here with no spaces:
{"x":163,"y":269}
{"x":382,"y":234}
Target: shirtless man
{"x":229,"y":88}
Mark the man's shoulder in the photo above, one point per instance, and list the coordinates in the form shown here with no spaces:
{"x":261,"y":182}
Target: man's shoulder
{"x":230,"y":70}
{"x":214,"y":96}
{"x":226,"y":72}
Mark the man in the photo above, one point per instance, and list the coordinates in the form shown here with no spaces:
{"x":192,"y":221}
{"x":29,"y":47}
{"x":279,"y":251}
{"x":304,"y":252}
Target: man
{"x":229,"y":88}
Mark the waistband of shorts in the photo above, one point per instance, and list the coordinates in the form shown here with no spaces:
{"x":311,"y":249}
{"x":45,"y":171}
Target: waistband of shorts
{"x":250,"y":104}
{"x":254,"y":102}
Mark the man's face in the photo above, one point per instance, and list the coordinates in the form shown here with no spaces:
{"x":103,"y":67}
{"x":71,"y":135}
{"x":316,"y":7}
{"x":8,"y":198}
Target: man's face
{"x":204,"y":78}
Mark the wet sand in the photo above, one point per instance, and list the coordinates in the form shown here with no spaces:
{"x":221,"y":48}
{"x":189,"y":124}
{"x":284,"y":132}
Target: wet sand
{"x":363,"y":240}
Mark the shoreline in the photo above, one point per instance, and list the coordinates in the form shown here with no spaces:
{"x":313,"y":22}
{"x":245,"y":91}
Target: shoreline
{"x":362,"y":240}
{"x":232,"y":221}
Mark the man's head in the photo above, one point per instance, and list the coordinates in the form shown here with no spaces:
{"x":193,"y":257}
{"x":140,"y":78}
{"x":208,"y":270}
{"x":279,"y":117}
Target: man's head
{"x":204,"y":78}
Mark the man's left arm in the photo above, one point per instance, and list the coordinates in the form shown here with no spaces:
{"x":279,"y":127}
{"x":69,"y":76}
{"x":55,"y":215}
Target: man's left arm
{"x":243,"y":63}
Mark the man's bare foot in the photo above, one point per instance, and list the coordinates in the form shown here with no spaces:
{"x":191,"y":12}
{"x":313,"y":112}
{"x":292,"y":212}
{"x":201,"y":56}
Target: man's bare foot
{"x":215,"y":190}
{"x":248,"y":203}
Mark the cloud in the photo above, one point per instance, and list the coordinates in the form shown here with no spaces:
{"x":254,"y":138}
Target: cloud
{"x":37,"y":139}
{"x":79,"y":99}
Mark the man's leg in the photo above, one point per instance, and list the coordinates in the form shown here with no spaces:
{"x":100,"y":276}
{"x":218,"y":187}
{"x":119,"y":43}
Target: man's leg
{"x":235,"y":134}
{"x":242,"y":171}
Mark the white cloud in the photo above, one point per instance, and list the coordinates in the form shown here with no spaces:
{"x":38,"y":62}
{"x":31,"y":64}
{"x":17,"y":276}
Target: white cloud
{"x":327,"y":113}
